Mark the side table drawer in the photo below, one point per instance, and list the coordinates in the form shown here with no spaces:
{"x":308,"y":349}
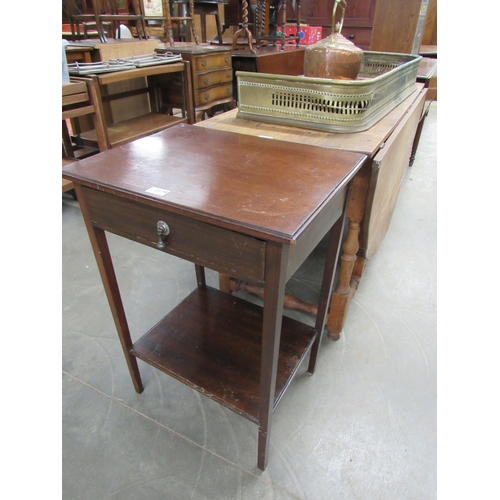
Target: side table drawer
{"x":212,"y":61}
{"x":219,"y":249}
{"x":207,"y":96}
{"x":205,"y":80}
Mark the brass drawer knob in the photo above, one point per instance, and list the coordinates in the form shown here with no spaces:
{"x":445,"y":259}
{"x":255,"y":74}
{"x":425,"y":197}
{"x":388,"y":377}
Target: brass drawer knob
{"x":204,"y":63}
{"x":163,"y":231}
{"x":206,"y":80}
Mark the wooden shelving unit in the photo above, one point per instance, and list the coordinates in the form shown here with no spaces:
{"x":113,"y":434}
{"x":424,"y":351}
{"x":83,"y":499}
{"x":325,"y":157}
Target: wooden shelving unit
{"x":157,"y":115}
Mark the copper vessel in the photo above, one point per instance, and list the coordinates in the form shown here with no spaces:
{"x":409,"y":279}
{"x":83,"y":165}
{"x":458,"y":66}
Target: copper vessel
{"x":333,"y":57}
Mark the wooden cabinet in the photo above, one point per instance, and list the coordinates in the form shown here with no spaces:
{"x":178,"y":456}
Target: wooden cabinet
{"x":379,"y":25}
{"x":399,"y":26}
{"x":211,"y":76}
{"x":358,"y":19}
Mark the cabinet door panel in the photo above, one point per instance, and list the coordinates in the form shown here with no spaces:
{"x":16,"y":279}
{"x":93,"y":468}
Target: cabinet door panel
{"x":319,"y":13}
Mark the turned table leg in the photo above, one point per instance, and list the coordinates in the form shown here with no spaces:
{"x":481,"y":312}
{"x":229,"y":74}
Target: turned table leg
{"x":351,"y":266}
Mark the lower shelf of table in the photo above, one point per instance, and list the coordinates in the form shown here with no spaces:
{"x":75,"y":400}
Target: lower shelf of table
{"x":212,"y":343}
{"x":135,"y":128}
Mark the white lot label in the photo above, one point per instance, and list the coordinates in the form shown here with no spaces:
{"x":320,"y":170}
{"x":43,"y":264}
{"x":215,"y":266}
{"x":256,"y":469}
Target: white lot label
{"x":158,"y":191}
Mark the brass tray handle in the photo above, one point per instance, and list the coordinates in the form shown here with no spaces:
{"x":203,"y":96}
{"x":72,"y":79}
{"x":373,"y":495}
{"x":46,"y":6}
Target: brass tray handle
{"x":337,"y":28}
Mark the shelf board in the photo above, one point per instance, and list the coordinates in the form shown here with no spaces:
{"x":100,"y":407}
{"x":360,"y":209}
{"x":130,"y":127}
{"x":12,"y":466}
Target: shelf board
{"x":212,"y":343}
{"x":67,"y":185}
{"x":135,"y":128}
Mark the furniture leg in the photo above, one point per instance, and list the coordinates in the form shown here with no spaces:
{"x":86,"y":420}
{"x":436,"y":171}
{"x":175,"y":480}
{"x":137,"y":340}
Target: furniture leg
{"x":298,"y":23}
{"x":219,"y":26}
{"x":96,"y":7}
{"x":283,"y":24}
{"x":66,"y":140}
{"x":265,"y":16}
{"x":274,"y":291}
{"x":244,"y":31}
{"x":187,"y":95}
{"x":200,"y":275}
{"x":191,"y":15}
{"x":332,"y":256}
{"x":168,"y":37}
{"x":419,"y":133}
{"x":99,"y":121}
{"x":139,"y":10}
{"x":346,"y":287}
{"x":224,"y":283}
{"x":106,"y":270}
{"x":258,"y":22}
{"x":357,"y":272}
{"x":203,"y":22}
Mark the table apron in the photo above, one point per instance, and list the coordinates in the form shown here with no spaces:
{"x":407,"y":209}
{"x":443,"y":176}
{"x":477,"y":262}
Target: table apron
{"x":314,"y":233}
{"x":204,"y":244}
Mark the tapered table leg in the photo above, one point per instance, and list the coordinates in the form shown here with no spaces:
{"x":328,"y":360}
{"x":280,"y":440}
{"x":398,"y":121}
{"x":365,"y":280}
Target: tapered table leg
{"x":105,"y":265}
{"x":274,"y":292}
{"x":326,"y":286}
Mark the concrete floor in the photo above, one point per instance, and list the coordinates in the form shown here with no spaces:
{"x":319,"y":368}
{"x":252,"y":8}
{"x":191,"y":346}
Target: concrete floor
{"x":362,"y":427}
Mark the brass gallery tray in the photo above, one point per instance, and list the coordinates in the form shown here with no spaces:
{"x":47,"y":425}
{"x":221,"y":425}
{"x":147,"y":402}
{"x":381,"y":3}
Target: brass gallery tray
{"x":384,"y":81}
{"x":123,"y":63}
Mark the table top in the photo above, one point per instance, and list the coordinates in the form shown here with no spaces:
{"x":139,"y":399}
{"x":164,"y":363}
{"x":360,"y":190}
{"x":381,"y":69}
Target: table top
{"x":129,"y":74}
{"x":367,"y":142}
{"x":428,"y":50}
{"x":78,"y":48}
{"x":265,"y":188}
{"x":426,"y":68}
{"x":191,"y":48}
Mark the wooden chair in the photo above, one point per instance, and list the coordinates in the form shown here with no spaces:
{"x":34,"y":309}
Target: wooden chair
{"x":109,"y":11}
{"x":83,"y":25}
{"x":157,"y":25}
{"x":167,"y":13}
{"x":204,"y":9}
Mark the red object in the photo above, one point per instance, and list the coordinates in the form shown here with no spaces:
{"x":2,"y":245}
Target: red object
{"x":308,"y":34}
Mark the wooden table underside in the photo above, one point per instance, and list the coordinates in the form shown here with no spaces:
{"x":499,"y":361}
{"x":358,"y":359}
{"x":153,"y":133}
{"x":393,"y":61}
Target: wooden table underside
{"x":373,"y":196}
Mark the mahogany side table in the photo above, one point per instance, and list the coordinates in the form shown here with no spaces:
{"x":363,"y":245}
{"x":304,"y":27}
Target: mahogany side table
{"x":234,"y":214}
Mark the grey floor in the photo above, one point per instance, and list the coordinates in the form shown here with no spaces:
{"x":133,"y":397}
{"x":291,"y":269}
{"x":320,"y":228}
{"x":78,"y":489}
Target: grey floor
{"x":362,"y":427}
